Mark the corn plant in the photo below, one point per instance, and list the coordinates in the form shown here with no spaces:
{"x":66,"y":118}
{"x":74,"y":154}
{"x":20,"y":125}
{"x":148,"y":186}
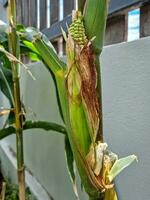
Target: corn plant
{"x":10,"y":52}
{"x":78,"y":85}
{"x":14,"y":49}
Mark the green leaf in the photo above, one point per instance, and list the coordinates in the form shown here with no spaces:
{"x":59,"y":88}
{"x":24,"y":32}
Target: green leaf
{"x":5,"y":61}
{"x":20,"y":28}
{"x":47,"y":126}
{"x":120,"y":165}
{"x":29,"y":33}
{"x":30,"y":46}
{"x":95,"y":15}
{"x":49,"y":56}
{"x":70,"y":164}
{"x":34,"y":57}
{"x":3,"y":37}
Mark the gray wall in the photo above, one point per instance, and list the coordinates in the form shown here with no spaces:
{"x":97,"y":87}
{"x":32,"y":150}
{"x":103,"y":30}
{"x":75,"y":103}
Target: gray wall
{"x":126,"y":99}
{"x":3,"y":14}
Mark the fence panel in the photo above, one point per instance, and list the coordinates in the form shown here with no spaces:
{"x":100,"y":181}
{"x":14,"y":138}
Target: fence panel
{"x":145,"y":20}
{"x":32,"y":13}
{"x":19,"y":11}
{"x":116,"y":24}
{"x":68,"y":7}
{"x":116,"y":5}
{"x":54,"y":11}
{"x":116,"y":29}
{"x":43,"y":14}
{"x":25,"y":12}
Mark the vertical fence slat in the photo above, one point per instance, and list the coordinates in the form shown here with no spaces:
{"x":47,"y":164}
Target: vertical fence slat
{"x":68,"y":7}
{"x":116,"y":29}
{"x":145,"y":20}
{"x":19,"y":11}
{"x":32,"y":13}
{"x":43,"y":14}
{"x":25,"y":12}
{"x":54,"y":11}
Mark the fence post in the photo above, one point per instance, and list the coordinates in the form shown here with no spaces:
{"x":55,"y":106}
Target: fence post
{"x":145,"y":20}
{"x":116,"y":29}
{"x":43,"y":14}
{"x":68,"y":7}
{"x":25,"y":12}
{"x":19,"y":11}
{"x":32,"y":13}
{"x":54,"y":11}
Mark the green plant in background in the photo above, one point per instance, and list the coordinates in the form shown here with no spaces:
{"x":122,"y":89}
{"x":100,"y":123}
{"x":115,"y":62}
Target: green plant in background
{"x":10,"y":192}
{"x":11,"y":49}
{"x":78,"y":85}
{"x":14,"y":49}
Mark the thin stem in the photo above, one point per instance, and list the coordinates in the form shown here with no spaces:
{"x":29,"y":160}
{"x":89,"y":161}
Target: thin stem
{"x":15,"y":50}
{"x":3,"y":192}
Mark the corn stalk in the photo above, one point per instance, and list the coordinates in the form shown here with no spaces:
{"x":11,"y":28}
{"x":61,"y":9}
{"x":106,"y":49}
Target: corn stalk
{"x":14,"y":49}
{"x":78,"y":84}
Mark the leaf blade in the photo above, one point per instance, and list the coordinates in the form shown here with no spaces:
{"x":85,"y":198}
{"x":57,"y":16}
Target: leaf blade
{"x":47,"y":126}
{"x":120,"y":165}
{"x":70,"y":164}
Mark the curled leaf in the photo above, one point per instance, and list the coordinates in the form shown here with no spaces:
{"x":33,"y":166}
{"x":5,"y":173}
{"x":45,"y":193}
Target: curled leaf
{"x":120,"y":165}
{"x":70,"y":164}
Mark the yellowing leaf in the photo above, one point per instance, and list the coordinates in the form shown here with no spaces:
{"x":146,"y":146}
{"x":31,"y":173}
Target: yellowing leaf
{"x":120,"y":165}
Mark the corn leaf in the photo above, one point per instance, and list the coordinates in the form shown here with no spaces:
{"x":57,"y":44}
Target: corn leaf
{"x":30,"y":46}
{"x":70,"y":164}
{"x":95,"y":15}
{"x":28,"y":34}
{"x":47,"y":126}
{"x":120,"y":165}
{"x":57,"y":68}
{"x":48,"y":55}
{"x":3,"y":37}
